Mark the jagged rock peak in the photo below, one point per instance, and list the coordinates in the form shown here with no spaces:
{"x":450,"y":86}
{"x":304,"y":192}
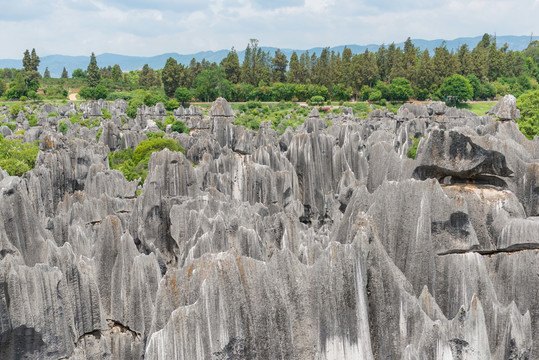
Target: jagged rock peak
{"x":221,"y":107}
{"x":505,"y":109}
{"x":314,"y":113}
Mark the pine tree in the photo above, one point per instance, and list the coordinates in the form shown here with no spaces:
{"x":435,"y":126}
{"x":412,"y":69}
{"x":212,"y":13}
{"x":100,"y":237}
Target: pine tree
{"x":47,"y":74}
{"x":171,"y":77}
{"x":27,"y":61}
{"x":294,"y":69}
{"x":92,"y":72}
{"x":231,"y":66}
{"x":279,"y":62}
{"x":34,"y":60}
{"x":65,"y":75}
{"x":346,"y":69}
{"x":116,"y":73}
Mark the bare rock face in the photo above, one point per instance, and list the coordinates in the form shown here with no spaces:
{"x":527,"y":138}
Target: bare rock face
{"x":325,"y":242}
{"x":506,"y":108}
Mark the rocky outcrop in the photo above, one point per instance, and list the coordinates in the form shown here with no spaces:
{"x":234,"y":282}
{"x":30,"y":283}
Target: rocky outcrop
{"x":325,"y":242}
{"x":506,"y":109}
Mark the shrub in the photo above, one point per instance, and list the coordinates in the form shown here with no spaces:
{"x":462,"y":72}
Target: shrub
{"x":23,"y":98}
{"x":317,"y":99}
{"x":32,"y":119}
{"x":98,"y":135}
{"x":376,"y":95}
{"x":179,"y":126}
{"x":15,"y":109}
{"x":17,"y":157}
{"x":529,"y":111}
{"x":52,"y":115}
{"x":106,"y":113}
{"x":134,"y":163}
{"x":412,"y":150}
{"x":63,"y":127}
{"x":152,"y":135}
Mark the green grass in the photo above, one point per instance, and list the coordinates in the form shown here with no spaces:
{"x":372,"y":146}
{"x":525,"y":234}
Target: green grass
{"x":480,"y":108}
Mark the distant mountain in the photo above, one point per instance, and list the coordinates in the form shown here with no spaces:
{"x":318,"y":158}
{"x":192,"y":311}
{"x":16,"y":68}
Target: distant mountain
{"x":56,"y":63}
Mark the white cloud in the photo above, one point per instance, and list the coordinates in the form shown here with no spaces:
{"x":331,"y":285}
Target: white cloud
{"x":138,"y":27}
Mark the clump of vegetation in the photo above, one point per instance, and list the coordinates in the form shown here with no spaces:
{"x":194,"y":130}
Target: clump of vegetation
{"x":53,"y":114}
{"x":15,"y":109}
{"x":412,"y":150}
{"x":63,"y":127}
{"x":179,"y":126}
{"x":17,"y":157}
{"x":32,"y":119}
{"x":151,"y":135}
{"x":528,"y":104}
{"x":134,"y":163}
{"x":98,"y":135}
{"x":106,"y":114}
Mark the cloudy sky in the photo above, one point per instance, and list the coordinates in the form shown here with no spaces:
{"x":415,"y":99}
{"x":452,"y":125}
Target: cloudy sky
{"x":146,"y":28}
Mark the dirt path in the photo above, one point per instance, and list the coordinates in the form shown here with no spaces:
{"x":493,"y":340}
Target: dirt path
{"x":73,"y":97}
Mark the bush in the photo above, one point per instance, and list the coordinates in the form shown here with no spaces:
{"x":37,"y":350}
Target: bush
{"x":183,"y":95}
{"x":106,"y":114}
{"x":15,"y":109}
{"x":400,"y":90}
{"x":528,"y":104}
{"x":63,"y":127}
{"x":98,"y":135}
{"x":179,"y":126}
{"x":17,"y":157}
{"x":134,"y":163}
{"x":317,"y":99}
{"x":23,"y":98}
{"x":152,"y":135}
{"x":376,"y":95}
{"x":412,"y":150}
{"x":457,"y":87}
{"x":52,"y":115}
{"x":32,"y":120}
{"x":133,"y":106}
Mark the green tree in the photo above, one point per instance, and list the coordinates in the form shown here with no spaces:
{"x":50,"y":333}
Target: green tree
{"x":65,"y":75}
{"x":148,"y":77}
{"x":17,"y":88}
{"x":183,"y":95}
{"x":400,"y":89}
{"x":476,"y":86}
{"x":279,"y":63}
{"x":78,"y":74}
{"x":458,"y":87}
{"x":293,"y":75}
{"x":93,"y":75}
{"x":171,"y":76}
{"x":346,"y":67}
{"x":47,"y":73}
{"x":116,"y":73}
{"x":34,"y":60}
{"x":27,"y":61}
{"x":528,"y":123}
{"x":231,"y":66}
{"x":211,"y":84}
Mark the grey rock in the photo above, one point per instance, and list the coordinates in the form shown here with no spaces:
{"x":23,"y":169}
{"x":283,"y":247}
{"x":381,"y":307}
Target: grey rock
{"x":506,"y":108}
{"x":221,"y":107}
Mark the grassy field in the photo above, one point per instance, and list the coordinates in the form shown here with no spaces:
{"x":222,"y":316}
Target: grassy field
{"x":480,"y":108}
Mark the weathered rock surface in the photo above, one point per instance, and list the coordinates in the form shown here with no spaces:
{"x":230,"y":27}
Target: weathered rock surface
{"x":325,"y":242}
{"x":506,"y":108}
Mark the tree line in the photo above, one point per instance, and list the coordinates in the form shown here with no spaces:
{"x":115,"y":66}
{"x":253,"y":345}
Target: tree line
{"x":391,"y":73}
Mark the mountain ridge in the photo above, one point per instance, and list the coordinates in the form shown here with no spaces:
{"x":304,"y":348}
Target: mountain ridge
{"x":57,"y":62}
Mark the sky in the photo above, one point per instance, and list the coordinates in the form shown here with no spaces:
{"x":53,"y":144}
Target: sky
{"x":147,"y":28}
